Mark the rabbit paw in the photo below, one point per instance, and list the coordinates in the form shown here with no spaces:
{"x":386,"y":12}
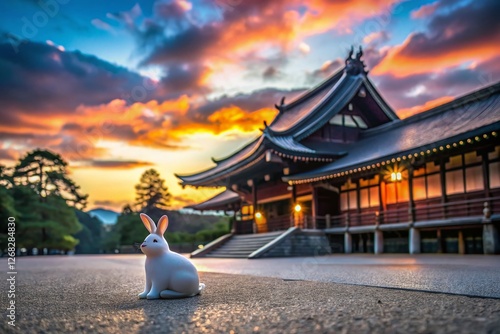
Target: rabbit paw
{"x":143,"y":295}
{"x":151,"y":295}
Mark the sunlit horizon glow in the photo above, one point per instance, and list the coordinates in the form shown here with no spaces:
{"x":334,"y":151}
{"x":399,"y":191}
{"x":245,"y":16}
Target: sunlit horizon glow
{"x":117,"y":88}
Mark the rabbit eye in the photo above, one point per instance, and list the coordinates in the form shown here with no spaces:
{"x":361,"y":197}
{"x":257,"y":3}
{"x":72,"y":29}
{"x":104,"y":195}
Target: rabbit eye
{"x":155,"y":240}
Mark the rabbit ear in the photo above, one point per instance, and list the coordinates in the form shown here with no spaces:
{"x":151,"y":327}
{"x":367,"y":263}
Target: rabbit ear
{"x":162,"y":225}
{"x":148,"y":222}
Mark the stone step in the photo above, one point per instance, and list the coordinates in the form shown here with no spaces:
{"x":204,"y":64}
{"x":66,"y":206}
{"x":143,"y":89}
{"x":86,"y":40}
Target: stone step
{"x":245,"y":245}
{"x":225,"y":256}
{"x":241,"y":246}
{"x":218,"y":251}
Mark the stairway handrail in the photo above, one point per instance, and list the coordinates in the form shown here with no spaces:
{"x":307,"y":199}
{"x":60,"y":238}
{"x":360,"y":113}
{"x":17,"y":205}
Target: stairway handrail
{"x":212,"y":245}
{"x":272,"y":243}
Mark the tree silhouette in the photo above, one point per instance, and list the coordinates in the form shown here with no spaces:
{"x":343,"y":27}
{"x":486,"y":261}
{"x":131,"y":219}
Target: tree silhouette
{"x":151,"y":192}
{"x":45,"y":173}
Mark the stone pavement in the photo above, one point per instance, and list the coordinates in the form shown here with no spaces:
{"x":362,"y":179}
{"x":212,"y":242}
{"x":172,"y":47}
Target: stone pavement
{"x":97,"y":294}
{"x":473,"y":275}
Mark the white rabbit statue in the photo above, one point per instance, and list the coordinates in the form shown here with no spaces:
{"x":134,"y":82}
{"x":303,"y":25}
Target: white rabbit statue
{"x":168,"y":274}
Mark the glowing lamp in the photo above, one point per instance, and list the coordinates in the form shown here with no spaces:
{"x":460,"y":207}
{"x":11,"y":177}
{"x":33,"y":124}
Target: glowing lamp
{"x":258,"y":215}
{"x":396,"y":176}
{"x":297,"y":208}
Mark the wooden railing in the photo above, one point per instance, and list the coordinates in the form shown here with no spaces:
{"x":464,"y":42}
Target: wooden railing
{"x":420,"y":212}
{"x":279,"y":223}
{"x":473,"y":207}
{"x":456,"y":209}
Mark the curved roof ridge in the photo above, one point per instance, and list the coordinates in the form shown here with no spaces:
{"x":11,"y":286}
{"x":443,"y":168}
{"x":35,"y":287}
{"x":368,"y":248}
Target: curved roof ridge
{"x":342,"y":97}
{"x":229,"y":162}
{"x":334,"y":77}
{"x":473,"y":96}
{"x":287,"y":120}
{"x":469,"y":98}
{"x":217,"y":161}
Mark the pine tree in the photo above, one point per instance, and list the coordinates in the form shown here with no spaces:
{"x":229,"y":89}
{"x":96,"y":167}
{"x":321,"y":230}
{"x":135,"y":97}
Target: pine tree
{"x":45,"y":173}
{"x":151,"y":192}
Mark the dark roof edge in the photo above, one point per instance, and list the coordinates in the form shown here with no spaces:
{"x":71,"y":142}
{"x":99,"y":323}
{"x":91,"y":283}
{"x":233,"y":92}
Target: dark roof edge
{"x":478,"y":131}
{"x":473,"y":96}
{"x":232,"y":197}
{"x":217,"y":161}
{"x":255,"y":157}
{"x":316,"y":154}
{"x":313,"y":90}
{"x":185,"y":176}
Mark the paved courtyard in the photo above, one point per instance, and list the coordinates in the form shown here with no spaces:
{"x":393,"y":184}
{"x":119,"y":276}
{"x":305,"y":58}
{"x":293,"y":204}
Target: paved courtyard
{"x":97,"y":294}
{"x":474,"y":275}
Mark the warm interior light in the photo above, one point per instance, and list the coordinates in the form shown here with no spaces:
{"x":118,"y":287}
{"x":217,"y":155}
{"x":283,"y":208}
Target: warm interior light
{"x":396,"y":176}
{"x":258,"y":215}
{"x":298,"y":208}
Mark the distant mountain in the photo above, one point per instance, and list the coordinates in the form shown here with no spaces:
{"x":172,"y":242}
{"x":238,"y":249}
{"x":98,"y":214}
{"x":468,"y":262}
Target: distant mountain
{"x":108,"y":217}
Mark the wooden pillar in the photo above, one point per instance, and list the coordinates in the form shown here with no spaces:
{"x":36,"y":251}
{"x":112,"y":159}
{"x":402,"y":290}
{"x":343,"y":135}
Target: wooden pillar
{"x":292,"y":206}
{"x":440,"y":241}
{"x":378,"y":242}
{"x":486,"y":173}
{"x":315,"y":204}
{"x":461,"y":243}
{"x":254,"y":203}
{"x":328,"y":219}
{"x":414,"y":241}
{"x":442,"y":173}
{"x":347,"y":243}
{"x":381,"y":199}
{"x":411,"y":203}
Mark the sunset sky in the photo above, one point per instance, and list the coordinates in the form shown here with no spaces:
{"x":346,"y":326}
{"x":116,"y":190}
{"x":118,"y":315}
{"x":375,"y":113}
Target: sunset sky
{"x":117,"y":87}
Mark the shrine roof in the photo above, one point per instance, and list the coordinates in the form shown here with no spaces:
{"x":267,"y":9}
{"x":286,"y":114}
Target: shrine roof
{"x":465,"y":117}
{"x":218,"y":202}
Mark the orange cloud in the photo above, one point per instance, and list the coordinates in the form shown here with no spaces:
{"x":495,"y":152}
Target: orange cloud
{"x":401,"y":64}
{"x":234,"y":118}
{"x":112,"y":164}
{"x":450,"y":40}
{"x":323,"y":15}
{"x":424,"y":11}
{"x":407,"y":112}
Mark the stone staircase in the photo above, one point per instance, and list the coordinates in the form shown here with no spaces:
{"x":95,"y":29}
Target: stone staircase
{"x":241,"y":246}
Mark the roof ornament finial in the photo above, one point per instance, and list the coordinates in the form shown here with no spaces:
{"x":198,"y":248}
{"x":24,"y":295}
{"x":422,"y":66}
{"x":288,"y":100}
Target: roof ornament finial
{"x":349,"y":56}
{"x":359,"y":54}
{"x":281,"y":106}
{"x":355,"y":66}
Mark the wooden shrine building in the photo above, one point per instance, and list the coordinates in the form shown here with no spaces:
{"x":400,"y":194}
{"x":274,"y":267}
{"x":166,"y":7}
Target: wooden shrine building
{"x":338,"y":161}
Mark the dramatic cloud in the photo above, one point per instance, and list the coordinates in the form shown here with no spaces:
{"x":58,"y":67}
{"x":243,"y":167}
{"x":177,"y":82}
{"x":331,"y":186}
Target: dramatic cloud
{"x":191,"y":46}
{"x":8,"y":154}
{"x":376,"y":38}
{"x":113,"y":164}
{"x":39,"y":80}
{"x":328,"y":68}
{"x":87,"y":104}
{"x":264,"y":98}
{"x":418,"y":92}
{"x":425,"y":10}
{"x":467,"y":33}
{"x":271,"y":73}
